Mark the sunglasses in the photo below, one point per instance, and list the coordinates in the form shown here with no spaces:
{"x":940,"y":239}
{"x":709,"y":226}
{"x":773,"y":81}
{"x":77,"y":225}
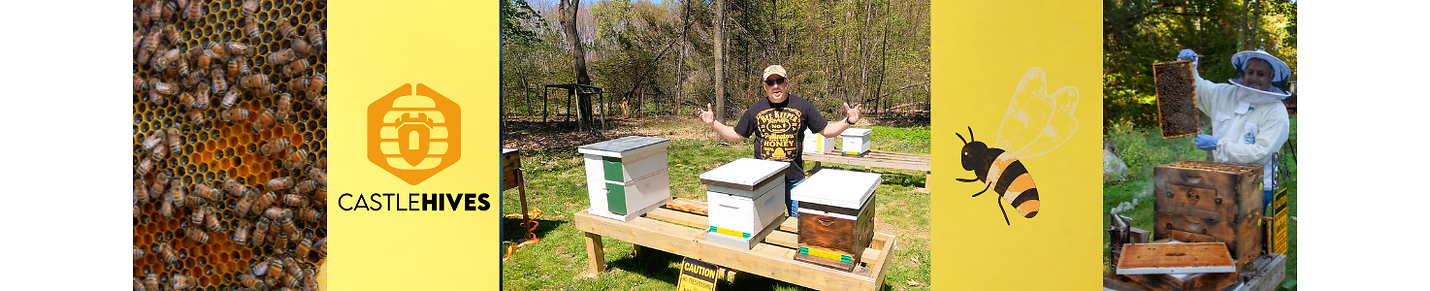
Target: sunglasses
{"x":775,"y":81}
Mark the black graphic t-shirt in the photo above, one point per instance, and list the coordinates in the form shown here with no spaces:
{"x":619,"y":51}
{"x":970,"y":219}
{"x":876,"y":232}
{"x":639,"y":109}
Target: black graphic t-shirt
{"x":778,"y":129}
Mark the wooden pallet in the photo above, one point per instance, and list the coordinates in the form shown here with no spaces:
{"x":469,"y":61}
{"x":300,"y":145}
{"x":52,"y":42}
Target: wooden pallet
{"x":877,"y":159}
{"x":679,"y":228}
{"x":1266,"y":273}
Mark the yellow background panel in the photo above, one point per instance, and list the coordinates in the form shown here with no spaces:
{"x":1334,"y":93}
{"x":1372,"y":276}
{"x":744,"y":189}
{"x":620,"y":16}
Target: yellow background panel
{"x":981,"y":49}
{"x":375,"y":47}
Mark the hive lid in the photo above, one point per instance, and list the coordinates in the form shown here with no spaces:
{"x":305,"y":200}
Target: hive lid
{"x":857,"y":132}
{"x":744,"y":173}
{"x":840,"y":188}
{"x":624,"y":146}
{"x":507,"y":151}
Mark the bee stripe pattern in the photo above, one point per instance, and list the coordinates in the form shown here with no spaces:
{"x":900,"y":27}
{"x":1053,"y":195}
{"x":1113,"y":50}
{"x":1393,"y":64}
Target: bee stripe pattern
{"x":1015,"y":183}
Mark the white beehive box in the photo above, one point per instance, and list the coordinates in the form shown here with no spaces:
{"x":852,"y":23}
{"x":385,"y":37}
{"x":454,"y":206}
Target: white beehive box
{"x":836,"y":217}
{"x":856,"y":140}
{"x":627,"y":177}
{"x":745,"y":198}
{"x":815,"y":143}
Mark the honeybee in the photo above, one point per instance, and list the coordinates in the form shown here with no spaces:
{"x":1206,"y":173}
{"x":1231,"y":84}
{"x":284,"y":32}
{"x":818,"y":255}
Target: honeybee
{"x":196,"y":116}
{"x":275,"y":266}
{"x":302,"y":47}
{"x":286,"y":29}
{"x":297,"y":67}
{"x":147,"y":48}
{"x":141,"y":193}
{"x":194,"y":10}
{"x":145,"y":165}
{"x":253,"y":82}
{"x":311,"y":215}
{"x":139,"y":284}
{"x":306,"y":186}
{"x":166,"y":89}
{"x":250,"y":27}
{"x":294,"y":200}
{"x":263,"y":202}
{"x":206,"y":192}
{"x":248,"y":280}
{"x":157,"y":188}
{"x":186,"y":99}
{"x":175,"y":141}
{"x":277,"y":145}
{"x":263,"y":122}
{"x":304,"y":246}
{"x":285,"y":104}
{"x":176,"y":190}
{"x":153,"y":139}
{"x":320,"y":196}
{"x":282,"y":56}
{"x":170,"y":8}
{"x":217,"y":49}
{"x":238,"y":67}
{"x":296,"y":159}
{"x":250,"y":6}
{"x":233,"y":187}
{"x":198,"y":216}
{"x":240,"y":232}
{"x":315,"y":35}
{"x":276,"y":184}
{"x":322,"y":247}
{"x":298,"y":85}
{"x":167,"y":253}
{"x":315,"y":86}
{"x":139,"y":253}
{"x":289,"y":227}
{"x":322,"y":164}
{"x":197,"y":235}
{"x":159,"y":152}
{"x":151,"y":282}
{"x":275,"y":213}
{"x":195,"y":201}
{"x":244,"y":204}
{"x":234,"y":114}
{"x":181,"y":282}
{"x":238,"y":48}
{"x":140,"y":85}
{"x":317,"y":174}
{"x":229,"y":99}
{"x":171,"y":34}
{"x":216,"y":77}
{"x":203,"y":61}
{"x":997,"y":167}
{"x":212,"y":221}
{"x":260,"y":231}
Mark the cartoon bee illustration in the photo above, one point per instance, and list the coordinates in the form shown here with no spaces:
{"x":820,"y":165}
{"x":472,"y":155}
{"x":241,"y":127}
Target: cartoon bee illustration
{"x":1035,"y":123}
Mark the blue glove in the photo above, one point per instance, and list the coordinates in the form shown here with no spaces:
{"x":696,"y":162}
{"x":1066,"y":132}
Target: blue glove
{"x":1206,"y":142}
{"x":1187,"y":54}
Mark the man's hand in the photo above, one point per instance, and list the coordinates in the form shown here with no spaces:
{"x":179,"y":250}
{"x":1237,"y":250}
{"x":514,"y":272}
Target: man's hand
{"x":852,"y":113}
{"x":708,"y":117}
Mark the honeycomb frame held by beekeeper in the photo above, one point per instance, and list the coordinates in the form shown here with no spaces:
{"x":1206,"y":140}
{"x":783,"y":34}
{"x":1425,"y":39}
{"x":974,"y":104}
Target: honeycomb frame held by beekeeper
{"x":1248,"y":118}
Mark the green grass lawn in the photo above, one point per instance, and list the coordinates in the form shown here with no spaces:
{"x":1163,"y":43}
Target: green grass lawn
{"x":1145,"y":149}
{"x":555,"y":181}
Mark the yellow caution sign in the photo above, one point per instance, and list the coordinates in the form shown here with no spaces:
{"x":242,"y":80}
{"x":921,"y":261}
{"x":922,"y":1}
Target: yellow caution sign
{"x":696,"y":276}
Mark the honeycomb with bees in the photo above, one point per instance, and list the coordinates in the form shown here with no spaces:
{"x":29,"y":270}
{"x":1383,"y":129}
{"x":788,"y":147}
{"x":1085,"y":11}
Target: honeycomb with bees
{"x":230,"y":138}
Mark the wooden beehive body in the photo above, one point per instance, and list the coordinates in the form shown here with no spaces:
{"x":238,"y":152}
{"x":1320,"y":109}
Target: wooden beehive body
{"x":745,"y":198}
{"x":836,"y":217}
{"x":627,"y":177}
{"x":1200,"y":201}
{"x":815,"y":143}
{"x":856,"y":140}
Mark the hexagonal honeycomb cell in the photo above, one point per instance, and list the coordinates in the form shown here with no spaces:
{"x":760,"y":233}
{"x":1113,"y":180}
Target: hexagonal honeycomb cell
{"x":215,"y":144}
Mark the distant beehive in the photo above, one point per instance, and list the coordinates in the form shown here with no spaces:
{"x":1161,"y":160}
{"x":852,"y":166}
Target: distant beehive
{"x":213,"y":150}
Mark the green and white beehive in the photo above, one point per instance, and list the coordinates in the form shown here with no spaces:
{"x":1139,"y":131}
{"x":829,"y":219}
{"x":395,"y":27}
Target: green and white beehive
{"x":627,"y":177}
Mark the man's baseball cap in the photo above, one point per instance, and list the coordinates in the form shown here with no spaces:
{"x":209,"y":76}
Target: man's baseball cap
{"x":774,"y":70}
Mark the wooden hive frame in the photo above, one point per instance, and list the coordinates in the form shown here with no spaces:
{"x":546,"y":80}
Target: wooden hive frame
{"x":1176,"y":122}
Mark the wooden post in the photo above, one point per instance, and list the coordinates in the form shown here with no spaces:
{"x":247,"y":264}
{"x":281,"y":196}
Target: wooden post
{"x":521,"y":188}
{"x":596,"y":255}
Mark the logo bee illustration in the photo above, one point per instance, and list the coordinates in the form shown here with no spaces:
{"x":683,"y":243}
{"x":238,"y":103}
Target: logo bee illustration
{"x":1034,"y":124}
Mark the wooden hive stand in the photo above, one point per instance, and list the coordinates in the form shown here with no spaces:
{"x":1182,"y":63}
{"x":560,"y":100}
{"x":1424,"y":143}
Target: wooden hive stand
{"x":511,"y":176}
{"x":679,"y":228}
{"x":878,"y":159}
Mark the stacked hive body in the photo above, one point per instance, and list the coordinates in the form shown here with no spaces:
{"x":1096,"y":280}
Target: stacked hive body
{"x":856,"y":140}
{"x":815,"y":143}
{"x":1176,"y":98}
{"x":836,"y":217}
{"x":214,"y":148}
{"x":627,"y":177}
{"x":745,"y":198}
{"x":1200,"y":201}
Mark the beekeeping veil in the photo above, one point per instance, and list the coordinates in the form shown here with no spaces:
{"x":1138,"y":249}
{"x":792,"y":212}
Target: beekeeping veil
{"x":1279,"y":79}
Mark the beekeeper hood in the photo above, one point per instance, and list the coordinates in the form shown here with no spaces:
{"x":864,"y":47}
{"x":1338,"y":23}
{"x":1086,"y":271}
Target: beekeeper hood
{"x":1277,"y":77}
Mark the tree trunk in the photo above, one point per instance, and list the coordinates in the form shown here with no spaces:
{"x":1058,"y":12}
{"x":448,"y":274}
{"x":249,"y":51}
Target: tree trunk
{"x":719,"y":62}
{"x":568,"y":23}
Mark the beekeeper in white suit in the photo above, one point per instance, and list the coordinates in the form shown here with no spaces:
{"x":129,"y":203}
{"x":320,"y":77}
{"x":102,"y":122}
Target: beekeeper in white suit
{"x":1249,"y":121}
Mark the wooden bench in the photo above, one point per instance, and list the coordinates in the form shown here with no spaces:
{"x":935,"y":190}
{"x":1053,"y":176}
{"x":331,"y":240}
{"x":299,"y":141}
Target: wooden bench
{"x":679,"y":228}
{"x":878,"y":159}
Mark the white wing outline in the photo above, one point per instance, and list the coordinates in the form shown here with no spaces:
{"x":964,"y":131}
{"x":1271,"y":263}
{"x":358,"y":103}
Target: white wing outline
{"x":1037,"y":123}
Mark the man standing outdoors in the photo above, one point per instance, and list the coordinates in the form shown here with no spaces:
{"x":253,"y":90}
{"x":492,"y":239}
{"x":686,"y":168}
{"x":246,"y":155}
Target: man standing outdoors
{"x":778,"y":123}
{"x":1249,"y":121}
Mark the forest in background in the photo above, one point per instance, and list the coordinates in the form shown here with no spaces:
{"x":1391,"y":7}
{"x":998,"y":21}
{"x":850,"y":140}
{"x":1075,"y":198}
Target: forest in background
{"x":670,"y":57}
{"x":1138,"y":33}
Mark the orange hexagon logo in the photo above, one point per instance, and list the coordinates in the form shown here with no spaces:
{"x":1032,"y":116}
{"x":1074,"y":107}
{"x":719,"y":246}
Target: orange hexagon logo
{"x":414,"y":133}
